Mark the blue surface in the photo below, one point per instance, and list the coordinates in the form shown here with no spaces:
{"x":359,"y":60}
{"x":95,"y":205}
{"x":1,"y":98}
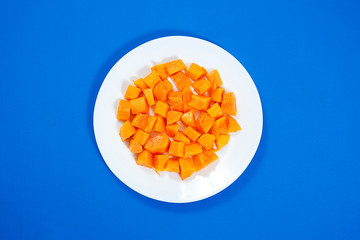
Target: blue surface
{"x":304,"y":181}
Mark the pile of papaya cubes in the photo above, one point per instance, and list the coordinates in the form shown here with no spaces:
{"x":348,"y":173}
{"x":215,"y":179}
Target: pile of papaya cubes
{"x":177,"y":129}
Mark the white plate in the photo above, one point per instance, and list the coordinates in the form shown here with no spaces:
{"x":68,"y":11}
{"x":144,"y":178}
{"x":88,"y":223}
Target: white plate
{"x":233,"y":158}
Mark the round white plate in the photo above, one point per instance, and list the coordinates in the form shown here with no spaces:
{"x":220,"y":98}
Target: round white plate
{"x":233,"y":158}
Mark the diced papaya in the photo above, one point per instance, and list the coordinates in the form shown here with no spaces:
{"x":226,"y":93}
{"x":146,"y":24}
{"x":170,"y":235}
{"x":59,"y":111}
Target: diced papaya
{"x":192,"y":149}
{"x":197,"y":162}
{"x":203,"y":159}
{"x":173,"y":165}
{"x":160,"y":162}
{"x":126,"y":130}
{"x":144,"y":122}
{"x":187,"y":93}
{"x":204,"y":122}
{"x":222,"y":140}
{"x":176,"y":100}
{"x":188,"y":118}
{"x":195,"y":71}
{"x":132,"y":92}
{"x":152,"y":79}
{"x":217,"y":94}
{"x":140,"y":136}
{"x":233,"y":125}
{"x":173,"y":117}
{"x":187,"y":167}
{"x":149,"y":96}
{"x":162,"y":90}
{"x":215,"y":111}
{"x":201,"y":86}
{"x":181,"y":137}
{"x":145,"y":159}
{"x":207,"y":141}
{"x":181,"y":80}
{"x":135,"y":147}
{"x":161,"y":109}
{"x":228,"y":104}
{"x":172,"y":129}
{"x":214,"y":78}
{"x":220,"y":126}
{"x":192,"y":133}
{"x":158,"y":144}
{"x":176,"y":149}
{"x":175,"y":66}
{"x":139,"y":105}
{"x":123,"y":113}
{"x":161,"y":70}
{"x":160,"y":124}
{"x":139,"y":83}
{"x":199,"y":102}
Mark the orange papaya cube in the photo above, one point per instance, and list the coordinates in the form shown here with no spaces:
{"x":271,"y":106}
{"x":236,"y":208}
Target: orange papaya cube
{"x":212,"y":156}
{"x":173,"y":117}
{"x":192,"y":149}
{"x":162,"y":90}
{"x":149,"y":96}
{"x":214,"y":78}
{"x":187,"y":167}
{"x":144,"y":122}
{"x":207,"y":141}
{"x":152,"y":79}
{"x":139,"y":83}
{"x":181,"y":137}
{"x":132,"y":92}
{"x":135,"y":147}
{"x":233,"y":125}
{"x":204,"y":122}
{"x":141,"y":137}
{"x":188,"y":119}
{"x":201,"y":86}
{"x":217,"y":94}
{"x":175,"y":66}
{"x":145,"y":159}
{"x":172,"y":129}
{"x":181,"y":80}
{"x":220,"y":126}
{"x":160,"y":162}
{"x":176,"y":100}
{"x":176,"y":149}
{"x":123,"y":113}
{"x":161,"y":70}
{"x":222,"y":140}
{"x":187,"y":93}
{"x":173,"y":165}
{"x":139,"y":105}
{"x":215,"y":111}
{"x":195,"y":72}
{"x":203,"y":159}
{"x":199,"y":102}
{"x":197,"y":162}
{"x":228,"y":104}
{"x":160,"y":124}
{"x":192,"y":133}
{"x":126,"y":130}
{"x":162,"y":109}
{"x":158,"y":144}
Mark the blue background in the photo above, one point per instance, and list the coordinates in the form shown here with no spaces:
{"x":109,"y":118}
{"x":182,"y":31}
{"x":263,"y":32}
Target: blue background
{"x":304,"y":181}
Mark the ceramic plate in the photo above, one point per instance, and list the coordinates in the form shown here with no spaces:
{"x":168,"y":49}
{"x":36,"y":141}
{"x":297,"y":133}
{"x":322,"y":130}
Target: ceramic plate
{"x":233,"y":158}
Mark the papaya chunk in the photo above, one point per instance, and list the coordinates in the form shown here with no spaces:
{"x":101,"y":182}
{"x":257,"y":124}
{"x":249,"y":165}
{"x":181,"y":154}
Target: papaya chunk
{"x":123,"y":113}
{"x":158,"y":144}
{"x":175,"y":66}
